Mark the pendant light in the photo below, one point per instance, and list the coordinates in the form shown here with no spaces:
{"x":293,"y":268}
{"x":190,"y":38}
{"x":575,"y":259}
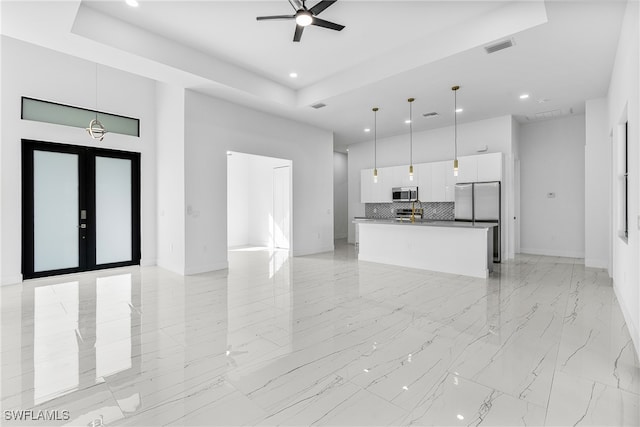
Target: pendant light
{"x":375,"y":145}
{"x":96,"y":129}
{"x":455,"y":130}
{"x":411,"y":138}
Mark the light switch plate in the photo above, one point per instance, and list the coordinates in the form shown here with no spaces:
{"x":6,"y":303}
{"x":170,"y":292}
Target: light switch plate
{"x":638,"y":222}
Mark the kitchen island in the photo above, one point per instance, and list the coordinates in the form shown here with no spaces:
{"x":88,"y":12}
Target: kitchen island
{"x":445,"y":246}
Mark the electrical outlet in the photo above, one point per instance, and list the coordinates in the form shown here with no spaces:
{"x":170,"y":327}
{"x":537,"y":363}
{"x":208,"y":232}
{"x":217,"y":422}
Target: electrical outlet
{"x":638,"y":222}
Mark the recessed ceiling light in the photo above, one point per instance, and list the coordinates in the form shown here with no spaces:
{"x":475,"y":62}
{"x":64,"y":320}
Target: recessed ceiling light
{"x":407,"y":121}
{"x":460,"y":417}
{"x":367,"y":130}
{"x":524,"y":96}
{"x":133,"y":3}
{"x":293,"y":75}
{"x":459,"y":110}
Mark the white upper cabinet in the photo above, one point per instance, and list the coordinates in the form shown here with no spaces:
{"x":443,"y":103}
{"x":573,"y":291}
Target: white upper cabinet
{"x":490,"y":167}
{"x":467,"y":169}
{"x":435,"y":181}
{"x":449,"y":182}
{"x":366,"y":185}
{"x":376,"y":192}
{"x":401,"y":176}
{"x":480,"y":168}
{"x":423,"y":180}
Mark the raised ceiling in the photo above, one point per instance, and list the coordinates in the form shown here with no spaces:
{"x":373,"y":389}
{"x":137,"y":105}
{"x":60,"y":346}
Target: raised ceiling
{"x":563,"y":54}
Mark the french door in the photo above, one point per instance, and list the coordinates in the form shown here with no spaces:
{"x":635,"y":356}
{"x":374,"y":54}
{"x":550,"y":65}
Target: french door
{"x":80,"y":208}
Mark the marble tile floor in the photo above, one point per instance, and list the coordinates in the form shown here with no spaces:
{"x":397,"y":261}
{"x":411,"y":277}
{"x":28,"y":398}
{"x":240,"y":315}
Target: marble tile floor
{"x":319,"y":340}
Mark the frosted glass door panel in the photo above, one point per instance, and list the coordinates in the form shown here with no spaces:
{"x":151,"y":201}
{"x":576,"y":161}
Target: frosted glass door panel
{"x":56,"y":212}
{"x":113,"y":210}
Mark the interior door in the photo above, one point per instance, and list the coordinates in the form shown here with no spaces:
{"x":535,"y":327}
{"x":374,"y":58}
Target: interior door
{"x":81,"y":208}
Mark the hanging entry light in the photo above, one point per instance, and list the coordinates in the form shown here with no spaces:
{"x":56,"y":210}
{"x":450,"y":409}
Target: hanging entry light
{"x":96,"y":129}
{"x":375,"y":145}
{"x":455,"y":130}
{"x":411,"y":138}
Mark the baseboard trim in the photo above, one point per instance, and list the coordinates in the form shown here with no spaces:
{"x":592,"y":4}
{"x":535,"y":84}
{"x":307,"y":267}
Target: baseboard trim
{"x":551,"y":252}
{"x":303,"y":252}
{"x":222,"y":265}
{"x":11,"y":280}
{"x":148,"y":262}
{"x":633,"y":331}
{"x":596,"y":263}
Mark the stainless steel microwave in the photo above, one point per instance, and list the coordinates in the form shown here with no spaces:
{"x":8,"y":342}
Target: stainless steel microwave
{"x":405,"y":194}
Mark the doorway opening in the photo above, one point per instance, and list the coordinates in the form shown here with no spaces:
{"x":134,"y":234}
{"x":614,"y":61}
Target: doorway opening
{"x":259,"y":202}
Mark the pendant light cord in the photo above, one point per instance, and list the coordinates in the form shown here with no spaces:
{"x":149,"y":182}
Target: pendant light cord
{"x":375,"y":138}
{"x":455,"y":121}
{"x":96,"y":91}
{"x":411,"y":131}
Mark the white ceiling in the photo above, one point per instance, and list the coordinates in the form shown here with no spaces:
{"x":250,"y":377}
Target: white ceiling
{"x":389,"y":51}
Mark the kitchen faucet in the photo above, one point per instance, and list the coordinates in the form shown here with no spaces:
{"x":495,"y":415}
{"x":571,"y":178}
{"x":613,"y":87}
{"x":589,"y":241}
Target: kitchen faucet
{"x":413,"y":209}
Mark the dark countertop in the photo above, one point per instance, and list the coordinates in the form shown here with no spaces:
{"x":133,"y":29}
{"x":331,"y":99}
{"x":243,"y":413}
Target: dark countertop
{"x":425,"y":222}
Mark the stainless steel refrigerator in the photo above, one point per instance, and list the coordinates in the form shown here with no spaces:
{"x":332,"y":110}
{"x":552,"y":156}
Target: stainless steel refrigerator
{"x":480,"y":202}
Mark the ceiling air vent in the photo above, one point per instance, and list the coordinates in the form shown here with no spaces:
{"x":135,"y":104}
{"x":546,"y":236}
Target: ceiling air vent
{"x":318,"y":105}
{"x":502,"y":44}
{"x":431,"y":114}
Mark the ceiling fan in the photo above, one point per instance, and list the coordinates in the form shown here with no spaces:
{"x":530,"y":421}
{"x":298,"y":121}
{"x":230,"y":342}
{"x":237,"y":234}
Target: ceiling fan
{"x":305,"y":17}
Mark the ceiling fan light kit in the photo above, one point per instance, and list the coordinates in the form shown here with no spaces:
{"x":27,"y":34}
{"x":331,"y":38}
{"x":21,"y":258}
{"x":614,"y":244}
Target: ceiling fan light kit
{"x":305,"y":17}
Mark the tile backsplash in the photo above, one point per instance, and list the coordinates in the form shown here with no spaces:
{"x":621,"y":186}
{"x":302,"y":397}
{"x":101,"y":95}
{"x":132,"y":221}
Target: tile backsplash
{"x":432,"y":210}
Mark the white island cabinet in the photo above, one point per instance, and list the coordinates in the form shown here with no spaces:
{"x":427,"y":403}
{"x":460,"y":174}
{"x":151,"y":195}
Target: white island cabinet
{"x":443,"y":246}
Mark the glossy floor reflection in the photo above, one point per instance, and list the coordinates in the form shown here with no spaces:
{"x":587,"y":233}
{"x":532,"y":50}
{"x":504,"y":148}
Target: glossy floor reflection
{"x":319,"y":340}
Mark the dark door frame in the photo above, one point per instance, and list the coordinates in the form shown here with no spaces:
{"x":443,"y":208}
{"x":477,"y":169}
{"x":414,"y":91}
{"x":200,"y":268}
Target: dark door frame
{"x":86,"y":196}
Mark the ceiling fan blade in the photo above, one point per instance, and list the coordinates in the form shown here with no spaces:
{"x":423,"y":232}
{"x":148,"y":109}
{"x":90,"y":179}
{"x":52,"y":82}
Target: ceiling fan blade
{"x":275,"y":17}
{"x":295,"y":4}
{"x":326,"y":24}
{"x":298,"y":34}
{"x":321,"y":6}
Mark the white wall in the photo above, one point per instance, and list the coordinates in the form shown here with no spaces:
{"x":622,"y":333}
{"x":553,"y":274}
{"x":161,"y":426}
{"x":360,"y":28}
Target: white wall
{"x":623,"y":99}
{"x":515,"y":223}
{"x":437,"y":145}
{"x":29,"y":70}
{"x":340,"y":196}
{"x":170,"y":177}
{"x":597,"y":185}
{"x":552,"y":161}
{"x":238,"y":199}
{"x":213,"y":127}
